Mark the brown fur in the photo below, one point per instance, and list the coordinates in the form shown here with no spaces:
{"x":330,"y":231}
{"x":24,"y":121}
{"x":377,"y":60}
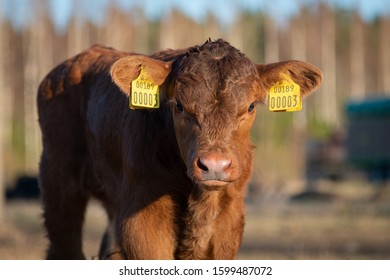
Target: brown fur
{"x":172,"y":180}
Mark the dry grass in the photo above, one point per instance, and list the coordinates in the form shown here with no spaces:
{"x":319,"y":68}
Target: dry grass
{"x":349,"y":227}
{"x":23,"y":237}
{"x":315,"y":231}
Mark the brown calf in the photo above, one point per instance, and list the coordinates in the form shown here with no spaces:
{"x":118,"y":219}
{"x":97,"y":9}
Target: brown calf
{"x":172,"y":180}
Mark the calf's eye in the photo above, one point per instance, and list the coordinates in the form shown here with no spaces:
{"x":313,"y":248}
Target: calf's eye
{"x":251,"y":107}
{"x":179,"y":106}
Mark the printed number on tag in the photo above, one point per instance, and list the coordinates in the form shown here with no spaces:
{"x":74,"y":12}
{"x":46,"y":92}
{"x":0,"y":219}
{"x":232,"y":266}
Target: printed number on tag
{"x":144,"y":93}
{"x":285,"y":96}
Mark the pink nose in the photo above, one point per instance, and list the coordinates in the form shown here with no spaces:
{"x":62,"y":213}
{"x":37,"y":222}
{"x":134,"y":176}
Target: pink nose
{"x":214,"y":167}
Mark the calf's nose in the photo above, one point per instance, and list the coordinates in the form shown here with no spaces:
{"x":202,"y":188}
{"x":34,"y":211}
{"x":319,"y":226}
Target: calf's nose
{"x":214,"y":167}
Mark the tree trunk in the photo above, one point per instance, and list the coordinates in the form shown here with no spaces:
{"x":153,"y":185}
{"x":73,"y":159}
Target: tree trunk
{"x":330,"y":110}
{"x":38,"y":52}
{"x":167,"y":34}
{"x":298,"y":51}
{"x":384,"y":55}
{"x":111,"y":33}
{"x":5,"y":111}
{"x":357,"y":82}
{"x":271,"y":38}
{"x":78,"y":33}
{"x":298,"y":33}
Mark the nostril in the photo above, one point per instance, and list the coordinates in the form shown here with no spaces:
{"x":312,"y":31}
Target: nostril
{"x":213,"y":165}
{"x":201,"y":165}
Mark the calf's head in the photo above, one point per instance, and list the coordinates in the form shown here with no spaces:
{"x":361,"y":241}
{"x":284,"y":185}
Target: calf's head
{"x":213,"y":91}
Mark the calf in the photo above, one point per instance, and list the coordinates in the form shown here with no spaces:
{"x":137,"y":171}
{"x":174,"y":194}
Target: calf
{"x":171,"y":179}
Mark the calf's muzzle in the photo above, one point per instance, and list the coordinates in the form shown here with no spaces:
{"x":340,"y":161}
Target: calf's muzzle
{"x":214,"y":169}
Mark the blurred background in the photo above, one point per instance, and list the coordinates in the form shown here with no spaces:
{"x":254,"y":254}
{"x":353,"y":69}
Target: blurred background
{"x":319,"y":188}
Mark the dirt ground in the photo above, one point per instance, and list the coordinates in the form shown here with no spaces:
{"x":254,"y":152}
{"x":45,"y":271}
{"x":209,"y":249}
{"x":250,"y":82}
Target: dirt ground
{"x":350,"y":225}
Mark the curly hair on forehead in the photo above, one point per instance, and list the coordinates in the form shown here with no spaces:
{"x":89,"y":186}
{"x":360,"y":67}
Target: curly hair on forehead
{"x":218,"y":49}
{"x":215,"y":56}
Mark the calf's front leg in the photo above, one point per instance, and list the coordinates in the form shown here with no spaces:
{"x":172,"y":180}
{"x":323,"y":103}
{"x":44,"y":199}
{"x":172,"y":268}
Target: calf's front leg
{"x":147,"y":231}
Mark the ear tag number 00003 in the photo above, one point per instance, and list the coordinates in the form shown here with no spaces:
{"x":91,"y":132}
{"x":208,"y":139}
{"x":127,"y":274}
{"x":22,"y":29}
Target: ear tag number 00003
{"x":144,"y":93}
{"x":285,"y":95}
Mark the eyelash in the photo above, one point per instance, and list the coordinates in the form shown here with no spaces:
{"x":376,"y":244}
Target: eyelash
{"x":251,"y":107}
{"x":179,"y":106}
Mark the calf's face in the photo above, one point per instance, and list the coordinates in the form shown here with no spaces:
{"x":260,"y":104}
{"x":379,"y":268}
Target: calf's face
{"x":213,"y":91}
{"x":214,"y":97}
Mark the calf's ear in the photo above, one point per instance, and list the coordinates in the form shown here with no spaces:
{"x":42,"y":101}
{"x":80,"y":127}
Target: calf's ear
{"x":307,"y":76}
{"x":128,"y":68}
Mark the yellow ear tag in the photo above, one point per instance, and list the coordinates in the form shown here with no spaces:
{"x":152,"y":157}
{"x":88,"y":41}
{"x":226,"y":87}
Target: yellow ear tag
{"x":144,"y":93}
{"x":285,"y":95}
